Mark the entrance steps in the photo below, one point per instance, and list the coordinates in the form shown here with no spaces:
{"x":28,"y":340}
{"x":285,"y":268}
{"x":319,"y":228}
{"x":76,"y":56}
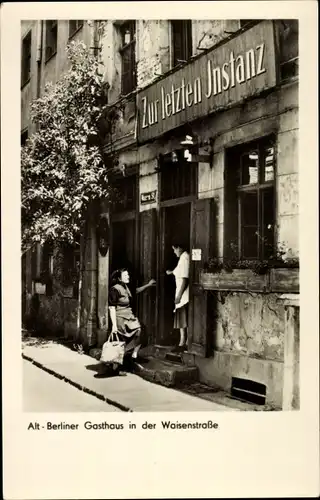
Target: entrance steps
{"x":162,"y":366}
{"x":165,"y":372}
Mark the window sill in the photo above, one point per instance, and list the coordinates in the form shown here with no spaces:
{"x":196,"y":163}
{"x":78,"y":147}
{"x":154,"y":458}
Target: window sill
{"x":51,"y":57}
{"x":75,"y":32}
{"x":23,"y":85}
{"x":284,"y":280}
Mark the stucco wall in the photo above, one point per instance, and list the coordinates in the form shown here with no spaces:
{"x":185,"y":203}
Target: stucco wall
{"x":252,"y":325}
{"x":58,"y":64}
{"x":206,"y":33}
{"x":29,"y":90}
{"x":52,"y":69}
{"x":153,"y":50}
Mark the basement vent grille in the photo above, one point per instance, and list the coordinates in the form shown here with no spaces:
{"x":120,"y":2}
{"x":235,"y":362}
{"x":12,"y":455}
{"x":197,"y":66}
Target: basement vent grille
{"x":248,"y":391}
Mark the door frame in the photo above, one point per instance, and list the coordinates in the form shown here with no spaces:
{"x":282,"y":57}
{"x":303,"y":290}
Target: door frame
{"x":128,"y":215}
{"x":188,"y":200}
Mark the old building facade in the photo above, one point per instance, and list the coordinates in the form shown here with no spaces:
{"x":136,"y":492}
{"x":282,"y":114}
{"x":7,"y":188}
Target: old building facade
{"x":205,"y":150}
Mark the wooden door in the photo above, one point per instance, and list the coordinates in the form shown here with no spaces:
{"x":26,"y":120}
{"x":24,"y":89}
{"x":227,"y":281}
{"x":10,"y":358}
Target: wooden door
{"x":202,"y":237}
{"x":147,"y":300}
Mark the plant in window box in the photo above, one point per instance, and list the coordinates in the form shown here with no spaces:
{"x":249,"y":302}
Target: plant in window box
{"x":241,"y":275}
{"x":278,"y":273}
{"x":284,"y":271}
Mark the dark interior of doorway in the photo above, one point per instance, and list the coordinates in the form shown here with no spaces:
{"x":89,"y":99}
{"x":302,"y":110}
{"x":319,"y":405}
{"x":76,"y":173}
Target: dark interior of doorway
{"x":176,"y":229}
{"x":123,"y":252}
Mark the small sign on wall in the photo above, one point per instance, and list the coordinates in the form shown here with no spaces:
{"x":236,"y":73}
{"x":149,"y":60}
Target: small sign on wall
{"x":149,"y":197}
{"x":40,"y":288}
{"x":196,"y":254}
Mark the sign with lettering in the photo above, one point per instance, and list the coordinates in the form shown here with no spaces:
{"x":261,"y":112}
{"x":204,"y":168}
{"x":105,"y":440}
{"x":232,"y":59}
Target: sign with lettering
{"x":239,"y":68}
{"x":150,"y":197}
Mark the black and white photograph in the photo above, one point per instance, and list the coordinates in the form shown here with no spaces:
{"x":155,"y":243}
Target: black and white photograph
{"x":160,"y":205}
{"x":158,"y":191}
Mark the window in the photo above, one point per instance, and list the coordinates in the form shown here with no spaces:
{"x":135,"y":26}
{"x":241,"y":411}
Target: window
{"x":178,"y":174}
{"x":288,"y":48}
{"x":125,"y":193}
{"x":250,"y":200}
{"x":127,"y":51}
{"x":181,"y":41}
{"x":74,"y":26}
{"x":26,"y":59}
{"x":51,"y":38}
{"x":24,"y":137}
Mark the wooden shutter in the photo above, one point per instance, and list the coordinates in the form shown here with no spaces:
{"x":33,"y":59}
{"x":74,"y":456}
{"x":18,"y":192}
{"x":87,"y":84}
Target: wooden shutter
{"x":202,"y":237}
{"x":147,"y":305}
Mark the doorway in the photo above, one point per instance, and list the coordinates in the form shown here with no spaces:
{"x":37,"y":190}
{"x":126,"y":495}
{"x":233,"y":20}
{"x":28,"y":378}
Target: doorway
{"x":175,"y":221}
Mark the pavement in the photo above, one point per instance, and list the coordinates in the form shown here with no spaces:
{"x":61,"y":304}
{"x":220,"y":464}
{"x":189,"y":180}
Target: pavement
{"x":44,"y":393}
{"x":127,"y":391}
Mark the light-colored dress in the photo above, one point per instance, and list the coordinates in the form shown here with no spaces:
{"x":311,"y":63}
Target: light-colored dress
{"x":181,"y":310}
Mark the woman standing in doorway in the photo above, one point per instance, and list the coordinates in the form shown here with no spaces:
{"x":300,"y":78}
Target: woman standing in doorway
{"x":181,"y":274}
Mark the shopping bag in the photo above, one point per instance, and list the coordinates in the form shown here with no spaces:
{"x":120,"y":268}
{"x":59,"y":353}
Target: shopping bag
{"x":113,"y":350}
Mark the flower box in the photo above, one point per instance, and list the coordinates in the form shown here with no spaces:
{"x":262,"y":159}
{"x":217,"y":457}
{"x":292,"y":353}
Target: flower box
{"x":237,"y":280}
{"x":284,"y":280}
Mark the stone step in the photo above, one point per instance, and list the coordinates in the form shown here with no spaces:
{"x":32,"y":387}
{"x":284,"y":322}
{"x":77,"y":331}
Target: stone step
{"x":165,"y":372}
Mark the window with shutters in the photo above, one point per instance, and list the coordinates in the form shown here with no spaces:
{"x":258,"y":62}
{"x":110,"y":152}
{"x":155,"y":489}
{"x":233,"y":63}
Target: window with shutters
{"x":51,"y":38}
{"x":26,"y":59}
{"x":127,"y":51}
{"x":74,"y":26}
{"x":250,"y":200}
{"x":181,"y":41}
{"x":288,"y":31}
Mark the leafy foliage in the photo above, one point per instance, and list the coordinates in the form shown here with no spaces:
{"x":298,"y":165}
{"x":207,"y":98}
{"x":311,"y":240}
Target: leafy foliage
{"x":62,"y":168}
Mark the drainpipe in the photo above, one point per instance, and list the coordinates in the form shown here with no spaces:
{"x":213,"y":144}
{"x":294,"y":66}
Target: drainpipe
{"x":38,"y":91}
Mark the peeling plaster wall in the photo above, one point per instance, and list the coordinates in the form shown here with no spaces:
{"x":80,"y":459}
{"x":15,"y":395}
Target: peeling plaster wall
{"x":251,"y":325}
{"x":206,"y":33}
{"x":153,"y":50}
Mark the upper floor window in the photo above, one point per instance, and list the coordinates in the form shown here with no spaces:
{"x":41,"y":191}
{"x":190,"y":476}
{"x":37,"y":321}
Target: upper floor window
{"x":51,"y":38}
{"x":181,"y":41}
{"x":26,"y":59}
{"x":74,"y":26}
{"x":127,"y":51}
{"x":288,"y":48}
{"x":178,"y":174}
{"x":124,"y":193}
{"x":250,"y":200}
